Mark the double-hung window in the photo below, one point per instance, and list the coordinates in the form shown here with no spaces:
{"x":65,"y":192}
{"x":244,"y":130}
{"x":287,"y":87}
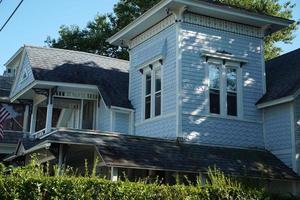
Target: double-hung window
{"x":152,"y":91}
{"x":225,"y":85}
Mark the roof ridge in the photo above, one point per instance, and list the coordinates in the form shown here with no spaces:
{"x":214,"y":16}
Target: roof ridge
{"x":75,"y":51}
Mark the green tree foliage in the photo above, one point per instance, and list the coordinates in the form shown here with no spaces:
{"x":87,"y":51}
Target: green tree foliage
{"x":93,"y":37}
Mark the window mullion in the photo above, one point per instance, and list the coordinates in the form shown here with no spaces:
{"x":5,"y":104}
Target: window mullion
{"x":152,"y":106}
{"x":223,"y":91}
{"x":240,"y":93}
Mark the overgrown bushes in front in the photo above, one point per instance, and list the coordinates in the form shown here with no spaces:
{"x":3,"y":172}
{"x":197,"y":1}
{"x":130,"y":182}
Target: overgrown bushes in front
{"x":33,"y":182}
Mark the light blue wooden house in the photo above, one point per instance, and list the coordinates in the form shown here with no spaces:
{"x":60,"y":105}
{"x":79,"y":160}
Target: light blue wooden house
{"x":193,"y":96}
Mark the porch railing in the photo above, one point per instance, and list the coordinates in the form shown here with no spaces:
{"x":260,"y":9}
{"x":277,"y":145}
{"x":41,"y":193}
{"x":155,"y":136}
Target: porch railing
{"x":41,"y":133}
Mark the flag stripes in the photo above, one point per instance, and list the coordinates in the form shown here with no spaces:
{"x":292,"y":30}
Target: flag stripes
{"x":4,"y":115}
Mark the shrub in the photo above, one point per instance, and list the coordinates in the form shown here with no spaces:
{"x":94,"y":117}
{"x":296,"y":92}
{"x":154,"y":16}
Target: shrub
{"x":33,"y":182}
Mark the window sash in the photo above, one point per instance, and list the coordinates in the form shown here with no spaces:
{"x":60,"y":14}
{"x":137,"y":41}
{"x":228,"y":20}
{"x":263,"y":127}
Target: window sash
{"x":230,"y":98}
{"x":152,"y":93}
{"x":215,"y":88}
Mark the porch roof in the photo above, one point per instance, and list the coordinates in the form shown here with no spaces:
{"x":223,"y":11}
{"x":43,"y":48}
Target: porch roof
{"x":159,"y":154}
{"x":110,"y":75}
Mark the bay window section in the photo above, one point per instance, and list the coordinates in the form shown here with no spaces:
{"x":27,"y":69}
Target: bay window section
{"x":214,"y":89}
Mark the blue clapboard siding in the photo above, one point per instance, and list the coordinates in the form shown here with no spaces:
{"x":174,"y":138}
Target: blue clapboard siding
{"x":195,"y":126}
{"x":163,"y":41}
{"x":121,"y":123}
{"x":278,"y":139}
{"x":21,"y":82}
{"x":297,"y":118}
{"x":297,"y":127}
{"x":104,"y":117}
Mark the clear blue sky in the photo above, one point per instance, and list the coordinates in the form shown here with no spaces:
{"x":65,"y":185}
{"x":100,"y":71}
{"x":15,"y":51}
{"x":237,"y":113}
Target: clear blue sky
{"x":37,"y":19}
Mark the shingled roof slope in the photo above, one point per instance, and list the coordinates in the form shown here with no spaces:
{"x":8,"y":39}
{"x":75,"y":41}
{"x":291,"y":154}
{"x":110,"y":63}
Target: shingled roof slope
{"x":283,"y":76}
{"x":59,"y":65}
{"x":159,"y":154}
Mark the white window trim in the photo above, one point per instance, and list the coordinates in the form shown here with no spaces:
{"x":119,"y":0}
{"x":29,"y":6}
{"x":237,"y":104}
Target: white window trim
{"x":156,"y":65}
{"x":223,"y":90}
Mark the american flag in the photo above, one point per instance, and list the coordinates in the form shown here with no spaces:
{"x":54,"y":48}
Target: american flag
{"x":4,"y":115}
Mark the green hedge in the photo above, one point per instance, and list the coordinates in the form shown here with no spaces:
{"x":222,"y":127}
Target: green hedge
{"x":32,"y":183}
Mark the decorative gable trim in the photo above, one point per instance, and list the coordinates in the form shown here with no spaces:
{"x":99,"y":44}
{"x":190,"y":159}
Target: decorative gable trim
{"x":223,"y":25}
{"x":166,"y":22}
{"x":24,"y":76}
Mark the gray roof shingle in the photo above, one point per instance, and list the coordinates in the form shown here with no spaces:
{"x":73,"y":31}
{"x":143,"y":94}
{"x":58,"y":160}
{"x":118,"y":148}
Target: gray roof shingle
{"x":283,"y":76}
{"x":150,"y":153}
{"x":59,"y":65}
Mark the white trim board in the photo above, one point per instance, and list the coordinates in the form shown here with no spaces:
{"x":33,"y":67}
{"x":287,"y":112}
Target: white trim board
{"x":163,"y":8}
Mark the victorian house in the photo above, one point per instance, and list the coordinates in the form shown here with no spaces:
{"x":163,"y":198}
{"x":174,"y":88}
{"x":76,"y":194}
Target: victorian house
{"x":196,"y":93}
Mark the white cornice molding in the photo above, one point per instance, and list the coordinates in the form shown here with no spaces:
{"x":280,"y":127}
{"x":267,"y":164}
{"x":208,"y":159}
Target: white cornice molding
{"x":165,"y":23}
{"x":223,"y":25}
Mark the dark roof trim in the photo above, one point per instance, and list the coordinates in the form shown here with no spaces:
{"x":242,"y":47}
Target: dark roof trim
{"x":277,"y":101}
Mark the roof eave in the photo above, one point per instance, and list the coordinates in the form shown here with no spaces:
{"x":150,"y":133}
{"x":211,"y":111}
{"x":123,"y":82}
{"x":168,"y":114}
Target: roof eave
{"x":14,"y":56}
{"x":117,"y":38}
{"x":268,"y":23}
{"x":274,"y":102}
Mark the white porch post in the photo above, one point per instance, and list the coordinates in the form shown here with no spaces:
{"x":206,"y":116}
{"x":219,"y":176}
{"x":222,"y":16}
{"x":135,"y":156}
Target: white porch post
{"x":81,"y":114}
{"x":114,"y":174}
{"x":49,"y":113}
{"x":25,"y":119}
{"x":60,"y":158}
{"x":33,"y":118}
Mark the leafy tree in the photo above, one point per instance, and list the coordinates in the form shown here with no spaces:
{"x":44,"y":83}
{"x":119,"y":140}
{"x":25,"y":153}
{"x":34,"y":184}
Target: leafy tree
{"x":93,"y":38}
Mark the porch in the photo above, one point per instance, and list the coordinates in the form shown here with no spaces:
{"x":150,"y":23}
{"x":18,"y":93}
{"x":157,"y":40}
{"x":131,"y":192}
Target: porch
{"x":60,"y":105}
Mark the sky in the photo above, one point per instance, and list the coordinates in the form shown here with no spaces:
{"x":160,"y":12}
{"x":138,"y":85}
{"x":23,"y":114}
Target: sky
{"x":37,"y":19}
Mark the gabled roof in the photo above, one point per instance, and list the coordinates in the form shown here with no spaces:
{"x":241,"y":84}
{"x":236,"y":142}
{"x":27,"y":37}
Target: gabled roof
{"x":110,"y":75}
{"x":5,"y":86}
{"x":159,"y":154}
{"x":282,"y":77}
{"x":204,"y":7}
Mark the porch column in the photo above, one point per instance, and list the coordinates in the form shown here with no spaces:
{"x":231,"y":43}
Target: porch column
{"x":33,"y":118}
{"x":25,"y":119}
{"x":114,"y":174}
{"x":60,"y":158}
{"x":49,"y":113}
